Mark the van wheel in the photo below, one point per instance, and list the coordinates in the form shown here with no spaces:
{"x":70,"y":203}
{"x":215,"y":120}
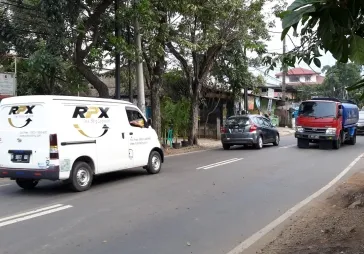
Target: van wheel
{"x":81,"y":176}
{"x":154,"y":163}
{"x":27,"y":184}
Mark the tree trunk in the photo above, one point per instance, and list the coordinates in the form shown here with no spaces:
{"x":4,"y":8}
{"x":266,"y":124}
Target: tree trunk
{"x":193,"y":137}
{"x":100,"y":86}
{"x":156,"y":108}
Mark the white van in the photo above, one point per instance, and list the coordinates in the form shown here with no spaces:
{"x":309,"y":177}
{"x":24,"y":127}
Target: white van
{"x":72,"y":139}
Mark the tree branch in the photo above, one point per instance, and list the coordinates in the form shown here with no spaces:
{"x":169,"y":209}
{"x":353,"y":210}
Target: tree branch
{"x":180,"y":58}
{"x":91,"y":21}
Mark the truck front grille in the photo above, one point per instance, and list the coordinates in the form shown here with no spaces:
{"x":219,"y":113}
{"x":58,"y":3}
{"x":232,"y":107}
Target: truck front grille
{"x":315,"y":130}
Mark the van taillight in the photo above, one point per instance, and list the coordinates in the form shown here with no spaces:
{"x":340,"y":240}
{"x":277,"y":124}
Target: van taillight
{"x":223,"y":130}
{"x":53,"y":147}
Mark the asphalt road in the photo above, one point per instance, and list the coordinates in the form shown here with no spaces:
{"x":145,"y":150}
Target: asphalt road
{"x":190,"y":207}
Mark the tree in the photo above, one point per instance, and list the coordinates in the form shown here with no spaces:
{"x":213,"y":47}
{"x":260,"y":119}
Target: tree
{"x":334,"y":26}
{"x":76,"y":32}
{"x":339,"y":77}
{"x":203,"y":31}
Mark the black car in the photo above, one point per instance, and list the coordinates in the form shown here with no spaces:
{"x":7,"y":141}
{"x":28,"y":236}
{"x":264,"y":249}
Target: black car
{"x":253,"y":130}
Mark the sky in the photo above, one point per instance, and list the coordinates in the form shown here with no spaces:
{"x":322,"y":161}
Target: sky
{"x":276,"y":45}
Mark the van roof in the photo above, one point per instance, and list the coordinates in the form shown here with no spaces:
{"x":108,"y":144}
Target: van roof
{"x":47,"y":98}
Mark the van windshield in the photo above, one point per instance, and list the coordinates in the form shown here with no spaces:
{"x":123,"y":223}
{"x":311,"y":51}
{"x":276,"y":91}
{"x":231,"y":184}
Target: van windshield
{"x":317,"y":109}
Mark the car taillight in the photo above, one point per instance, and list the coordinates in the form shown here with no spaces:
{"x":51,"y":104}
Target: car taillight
{"x":223,"y":130}
{"x":253,"y":128}
{"x":53,"y":147}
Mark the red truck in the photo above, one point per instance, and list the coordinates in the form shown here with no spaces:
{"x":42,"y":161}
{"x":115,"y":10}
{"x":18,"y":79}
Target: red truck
{"x":327,"y":121}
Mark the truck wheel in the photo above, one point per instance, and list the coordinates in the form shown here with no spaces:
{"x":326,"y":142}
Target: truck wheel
{"x":81,"y":176}
{"x":303,"y":143}
{"x":154,"y":163}
{"x":352,"y":140}
{"x":225,"y":146}
{"x":27,"y":184}
{"x":337,"y":144}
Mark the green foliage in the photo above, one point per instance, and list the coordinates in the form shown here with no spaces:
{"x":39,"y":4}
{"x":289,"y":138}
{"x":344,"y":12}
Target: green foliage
{"x":176,"y":114}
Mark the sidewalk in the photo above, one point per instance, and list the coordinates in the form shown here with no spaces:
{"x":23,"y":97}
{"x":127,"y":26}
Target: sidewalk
{"x":205,"y":144}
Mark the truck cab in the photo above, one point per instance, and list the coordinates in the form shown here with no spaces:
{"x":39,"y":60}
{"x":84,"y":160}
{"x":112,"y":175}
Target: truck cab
{"x":327,"y":121}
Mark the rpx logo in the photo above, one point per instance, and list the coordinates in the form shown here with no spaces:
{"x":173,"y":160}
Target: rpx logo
{"x":21,"y":109}
{"x":88,"y":112}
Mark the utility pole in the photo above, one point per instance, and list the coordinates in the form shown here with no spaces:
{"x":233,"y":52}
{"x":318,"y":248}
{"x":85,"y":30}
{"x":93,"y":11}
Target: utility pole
{"x":15,"y":76}
{"x":117,"y":55}
{"x":139,"y":65}
{"x":131,"y":95}
{"x":284,"y":72}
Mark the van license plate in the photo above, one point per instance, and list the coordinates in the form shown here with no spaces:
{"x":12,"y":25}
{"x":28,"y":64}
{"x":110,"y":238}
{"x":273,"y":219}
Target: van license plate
{"x":314,"y":136}
{"x":20,"y":157}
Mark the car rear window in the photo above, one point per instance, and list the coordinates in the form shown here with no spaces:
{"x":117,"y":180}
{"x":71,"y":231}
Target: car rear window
{"x":241,"y":121}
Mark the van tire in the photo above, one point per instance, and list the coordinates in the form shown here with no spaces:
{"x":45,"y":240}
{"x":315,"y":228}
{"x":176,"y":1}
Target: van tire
{"x":154,"y":163}
{"x":27,"y":184}
{"x":81,"y":176}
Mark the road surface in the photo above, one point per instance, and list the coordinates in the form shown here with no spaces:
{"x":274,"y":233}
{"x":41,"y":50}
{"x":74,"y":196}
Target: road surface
{"x":204,"y":203}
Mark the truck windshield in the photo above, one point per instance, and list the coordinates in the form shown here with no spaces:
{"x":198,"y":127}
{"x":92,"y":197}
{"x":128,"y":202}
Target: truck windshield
{"x":317,"y":109}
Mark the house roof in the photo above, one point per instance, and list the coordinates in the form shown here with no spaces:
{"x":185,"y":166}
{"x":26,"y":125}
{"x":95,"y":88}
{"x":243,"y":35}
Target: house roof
{"x":297,"y":71}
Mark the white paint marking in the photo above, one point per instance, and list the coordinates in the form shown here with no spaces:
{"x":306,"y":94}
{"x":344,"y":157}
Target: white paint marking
{"x":3,"y":185}
{"x":32,"y":214}
{"x":219,"y":163}
{"x":258,"y":235}
{"x":288,"y":146}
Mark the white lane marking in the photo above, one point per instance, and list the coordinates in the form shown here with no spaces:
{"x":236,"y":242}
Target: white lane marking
{"x":219,"y":163}
{"x":288,"y":146}
{"x":32,"y":214}
{"x":258,"y":235}
{"x":3,"y":185}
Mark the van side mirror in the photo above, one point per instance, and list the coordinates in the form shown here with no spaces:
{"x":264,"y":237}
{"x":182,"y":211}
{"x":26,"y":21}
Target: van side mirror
{"x":340,"y":113}
{"x":149,"y":122}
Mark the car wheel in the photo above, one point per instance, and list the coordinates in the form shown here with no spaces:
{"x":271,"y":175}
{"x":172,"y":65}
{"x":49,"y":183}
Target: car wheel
{"x":81,"y":176}
{"x":154,"y":163}
{"x":27,"y":184}
{"x":276,"y":140}
{"x":259,"y":144}
{"x":226,"y":147}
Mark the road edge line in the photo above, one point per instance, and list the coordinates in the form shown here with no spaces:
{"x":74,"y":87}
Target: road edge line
{"x":258,"y":235}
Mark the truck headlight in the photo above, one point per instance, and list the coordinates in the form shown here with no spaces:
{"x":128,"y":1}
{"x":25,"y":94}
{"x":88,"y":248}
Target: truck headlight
{"x":331,"y":131}
{"x":299,"y":129}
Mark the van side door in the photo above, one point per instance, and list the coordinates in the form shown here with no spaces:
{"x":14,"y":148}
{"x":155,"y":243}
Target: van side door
{"x":139,"y":137}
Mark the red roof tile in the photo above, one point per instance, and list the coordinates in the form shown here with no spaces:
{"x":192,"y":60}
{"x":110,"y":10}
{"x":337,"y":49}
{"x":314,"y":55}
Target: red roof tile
{"x":298,"y":71}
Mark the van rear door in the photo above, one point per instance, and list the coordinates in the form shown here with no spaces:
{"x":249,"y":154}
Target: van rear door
{"x":24,"y":138}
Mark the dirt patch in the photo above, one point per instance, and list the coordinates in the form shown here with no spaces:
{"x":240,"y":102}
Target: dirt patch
{"x":171,"y":151}
{"x":330,"y":226}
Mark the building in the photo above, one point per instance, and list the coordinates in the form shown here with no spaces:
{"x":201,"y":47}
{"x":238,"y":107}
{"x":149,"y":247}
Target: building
{"x":301,"y":76}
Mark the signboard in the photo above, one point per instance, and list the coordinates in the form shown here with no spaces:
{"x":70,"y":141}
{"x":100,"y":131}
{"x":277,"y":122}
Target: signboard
{"x":270,"y":105}
{"x":7,"y":84}
{"x":270,"y":93}
{"x":257,"y":102}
